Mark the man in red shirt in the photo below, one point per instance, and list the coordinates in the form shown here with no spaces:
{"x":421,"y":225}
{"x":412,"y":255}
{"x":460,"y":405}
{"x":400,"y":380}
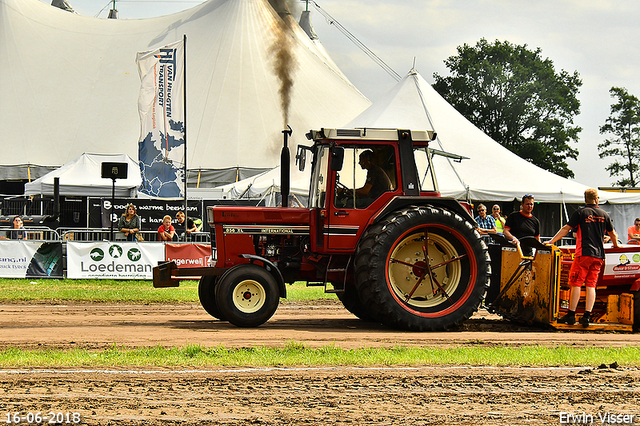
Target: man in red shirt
{"x":166,"y":231}
{"x":591,"y":223}
{"x":633,"y":232}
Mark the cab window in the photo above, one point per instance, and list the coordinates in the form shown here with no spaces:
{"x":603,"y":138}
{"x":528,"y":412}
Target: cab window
{"x":318,"y":187}
{"x":426,"y":177}
{"x":367,"y":173}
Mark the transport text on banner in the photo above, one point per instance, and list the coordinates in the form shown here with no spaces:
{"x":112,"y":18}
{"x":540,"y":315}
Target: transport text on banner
{"x":161,"y":148}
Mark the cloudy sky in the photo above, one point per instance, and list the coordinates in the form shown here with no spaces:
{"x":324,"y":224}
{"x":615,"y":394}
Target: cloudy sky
{"x":600,"y":39}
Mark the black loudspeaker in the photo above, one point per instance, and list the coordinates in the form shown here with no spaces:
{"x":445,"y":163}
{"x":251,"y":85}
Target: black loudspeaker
{"x":114,"y":170}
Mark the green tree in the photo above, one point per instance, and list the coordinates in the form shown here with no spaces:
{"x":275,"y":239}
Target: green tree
{"x":518,"y":99}
{"x":624,"y":146}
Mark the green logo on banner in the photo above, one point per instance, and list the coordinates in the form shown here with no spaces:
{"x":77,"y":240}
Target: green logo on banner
{"x":97,"y":255}
{"x":115,"y":251}
{"x":134,"y":254}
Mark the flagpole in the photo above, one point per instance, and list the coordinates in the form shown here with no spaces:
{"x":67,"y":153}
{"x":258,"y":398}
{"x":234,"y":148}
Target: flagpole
{"x":184,"y":105}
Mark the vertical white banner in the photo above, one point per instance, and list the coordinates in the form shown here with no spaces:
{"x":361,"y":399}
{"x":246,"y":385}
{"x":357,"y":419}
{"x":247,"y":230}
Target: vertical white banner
{"x":162,"y":121}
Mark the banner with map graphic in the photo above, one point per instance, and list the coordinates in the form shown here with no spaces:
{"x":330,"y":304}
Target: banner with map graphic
{"x":161,"y":147}
{"x":113,"y":260}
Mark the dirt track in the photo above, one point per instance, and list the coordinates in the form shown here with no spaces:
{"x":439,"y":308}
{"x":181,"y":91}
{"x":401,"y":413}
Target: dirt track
{"x":416,"y":395}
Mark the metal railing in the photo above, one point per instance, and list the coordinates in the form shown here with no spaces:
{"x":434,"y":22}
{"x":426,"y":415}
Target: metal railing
{"x":104,"y":234}
{"x":38,"y":233}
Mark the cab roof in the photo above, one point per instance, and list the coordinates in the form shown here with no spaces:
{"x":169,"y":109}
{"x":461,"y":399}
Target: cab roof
{"x":372,"y":134}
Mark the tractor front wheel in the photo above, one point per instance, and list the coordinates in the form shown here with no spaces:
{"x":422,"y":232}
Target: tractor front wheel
{"x":247,"y":295}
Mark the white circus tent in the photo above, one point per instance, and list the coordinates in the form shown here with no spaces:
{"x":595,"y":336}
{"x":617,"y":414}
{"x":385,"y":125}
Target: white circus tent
{"x":70,"y":85}
{"x":491,"y":172}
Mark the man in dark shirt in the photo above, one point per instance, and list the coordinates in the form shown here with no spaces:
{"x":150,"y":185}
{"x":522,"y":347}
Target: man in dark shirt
{"x":184,"y":228}
{"x":523,"y":224}
{"x":591,"y":223}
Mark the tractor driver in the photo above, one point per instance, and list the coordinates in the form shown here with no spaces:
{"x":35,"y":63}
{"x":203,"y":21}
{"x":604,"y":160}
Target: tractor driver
{"x":377,"y":181}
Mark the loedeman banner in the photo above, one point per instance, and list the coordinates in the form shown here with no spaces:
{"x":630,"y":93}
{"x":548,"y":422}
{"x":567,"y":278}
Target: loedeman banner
{"x":30,"y":259}
{"x":162,"y":123}
{"x":113,"y":260}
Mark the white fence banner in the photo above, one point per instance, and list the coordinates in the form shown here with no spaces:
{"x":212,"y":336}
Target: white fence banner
{"x":113,"y":260}
{"x":30,"y":259}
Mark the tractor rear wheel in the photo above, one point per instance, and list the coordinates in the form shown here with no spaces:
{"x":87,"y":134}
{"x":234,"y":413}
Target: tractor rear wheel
{"x":352,"y":303}
{"x":247,"y":295}
{"x":422,"y":269}
{"x":207,"y":295}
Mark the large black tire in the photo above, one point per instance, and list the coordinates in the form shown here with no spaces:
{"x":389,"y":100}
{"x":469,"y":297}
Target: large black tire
{"x":207,"y":295}
{"x":352,"y":303}
{"x":393,"y":269}
{"x":247,"y":295}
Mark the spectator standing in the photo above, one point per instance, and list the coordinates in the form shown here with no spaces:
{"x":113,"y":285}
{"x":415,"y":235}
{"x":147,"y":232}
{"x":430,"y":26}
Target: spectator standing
{"x":486,"y":224}
{"x":184,"y":227}
{"x":498,"y":218}
{"x":633,"y":233}
{"x":129,"y":223}
{"x":591,"y":222}
{"x":17,"y":232}
{"x":523,"y":223}
{"x":166,"y":231}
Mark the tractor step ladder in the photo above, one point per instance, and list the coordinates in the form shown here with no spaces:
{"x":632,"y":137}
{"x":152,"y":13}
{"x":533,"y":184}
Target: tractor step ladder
{"x":344,"y":270}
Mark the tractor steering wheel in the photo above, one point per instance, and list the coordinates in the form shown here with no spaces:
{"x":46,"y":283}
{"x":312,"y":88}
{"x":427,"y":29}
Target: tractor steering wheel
{"x":343,"y":196}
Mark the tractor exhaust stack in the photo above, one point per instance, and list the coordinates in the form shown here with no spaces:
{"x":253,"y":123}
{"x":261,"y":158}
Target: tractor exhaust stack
{"x":285,"y":160}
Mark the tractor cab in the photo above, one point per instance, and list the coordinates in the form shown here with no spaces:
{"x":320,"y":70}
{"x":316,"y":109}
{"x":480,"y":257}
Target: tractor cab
{"x":357,"y":172}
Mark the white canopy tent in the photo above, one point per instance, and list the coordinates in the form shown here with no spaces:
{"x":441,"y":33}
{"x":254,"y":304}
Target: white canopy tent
{"x":266,"y":186}
{"x":492,"y":172}
{"x":82,"y":177}
{"x":70,"y":85}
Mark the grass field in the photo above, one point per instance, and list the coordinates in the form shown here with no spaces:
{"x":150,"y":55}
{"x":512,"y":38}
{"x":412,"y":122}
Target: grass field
{"x":112,"y":291}
{"x":142,"y":292}
{"x":295,"y":354}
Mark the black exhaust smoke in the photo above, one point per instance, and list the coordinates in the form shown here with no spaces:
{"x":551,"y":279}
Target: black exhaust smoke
{"x":285,"y":158}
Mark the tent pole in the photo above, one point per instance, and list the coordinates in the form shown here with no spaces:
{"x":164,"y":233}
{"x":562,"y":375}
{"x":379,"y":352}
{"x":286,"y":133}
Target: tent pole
{"x":113,"y":202}
{"x":184,"y":105}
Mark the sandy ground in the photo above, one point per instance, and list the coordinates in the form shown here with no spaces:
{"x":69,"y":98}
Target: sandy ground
{"x":412,"y":395}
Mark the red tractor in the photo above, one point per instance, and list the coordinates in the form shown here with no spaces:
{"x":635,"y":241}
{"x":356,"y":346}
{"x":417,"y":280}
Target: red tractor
{"x":376,"y":232}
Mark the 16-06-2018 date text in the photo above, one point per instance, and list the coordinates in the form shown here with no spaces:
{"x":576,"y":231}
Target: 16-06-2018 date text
{"x":50,"y":417}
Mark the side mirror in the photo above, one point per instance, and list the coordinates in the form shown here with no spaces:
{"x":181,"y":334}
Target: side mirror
{"x":301,"y":157}
{"x":337,"y":158}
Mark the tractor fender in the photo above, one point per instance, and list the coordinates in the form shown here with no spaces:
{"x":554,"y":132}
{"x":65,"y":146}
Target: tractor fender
{"x":272,"y":269}
{"x":400,"y":202}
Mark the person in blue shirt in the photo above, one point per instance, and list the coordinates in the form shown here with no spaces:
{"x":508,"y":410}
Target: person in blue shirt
{"x":486,"y":224}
